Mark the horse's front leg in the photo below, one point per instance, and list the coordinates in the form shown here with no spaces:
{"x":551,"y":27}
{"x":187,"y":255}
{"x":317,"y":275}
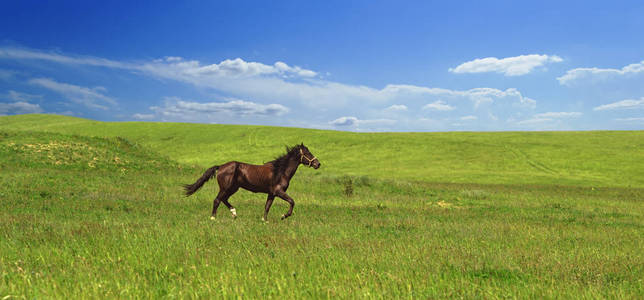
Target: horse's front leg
{"x":269,"y":202}
{"x":290,"y":201}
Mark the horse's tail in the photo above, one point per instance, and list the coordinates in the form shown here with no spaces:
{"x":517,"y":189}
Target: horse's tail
{"x":192,"y":188}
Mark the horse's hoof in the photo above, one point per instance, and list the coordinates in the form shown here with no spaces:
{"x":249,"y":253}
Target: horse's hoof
{"x":212,"y":218}
{"x":283,"y":217}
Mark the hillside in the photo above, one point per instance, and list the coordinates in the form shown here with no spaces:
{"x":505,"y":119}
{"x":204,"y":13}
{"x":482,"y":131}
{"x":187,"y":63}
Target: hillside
{"x":39,"y":150}
{"x":597,"y":158}
{"x":95,"y":210}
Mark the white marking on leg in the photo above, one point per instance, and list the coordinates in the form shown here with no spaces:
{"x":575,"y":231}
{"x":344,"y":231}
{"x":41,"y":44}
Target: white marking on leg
{"x":212,"y":217}
{"x":234,"y":212}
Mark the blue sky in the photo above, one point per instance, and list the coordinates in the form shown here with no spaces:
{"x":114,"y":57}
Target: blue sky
{"x":342,"y":65}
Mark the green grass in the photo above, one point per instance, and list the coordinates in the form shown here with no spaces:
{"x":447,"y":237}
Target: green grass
{"x":94,"y":210}
{"x":598,"y":158}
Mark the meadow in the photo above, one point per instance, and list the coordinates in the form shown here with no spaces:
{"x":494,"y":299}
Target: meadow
{"x":94,"y":210}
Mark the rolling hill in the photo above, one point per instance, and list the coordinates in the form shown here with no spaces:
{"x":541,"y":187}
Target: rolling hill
{"x":594,"y":158}
{"x":95,"y":210}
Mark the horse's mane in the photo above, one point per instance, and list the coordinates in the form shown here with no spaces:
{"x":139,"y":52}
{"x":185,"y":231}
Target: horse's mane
{"x":281,"y":162}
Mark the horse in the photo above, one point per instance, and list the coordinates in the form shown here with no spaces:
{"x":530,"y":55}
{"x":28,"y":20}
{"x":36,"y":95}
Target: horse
{"x":271,"y":178}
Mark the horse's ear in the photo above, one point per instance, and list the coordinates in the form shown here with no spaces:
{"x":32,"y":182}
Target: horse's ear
{"x":302,"y":144}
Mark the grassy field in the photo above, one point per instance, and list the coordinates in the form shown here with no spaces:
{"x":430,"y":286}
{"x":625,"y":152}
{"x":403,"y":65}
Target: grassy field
{"x":94,"y":210}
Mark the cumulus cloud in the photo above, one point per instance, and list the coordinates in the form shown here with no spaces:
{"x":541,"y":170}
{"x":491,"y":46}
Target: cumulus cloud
{"x":579,"y":74}
{"x":19,"y":107}
{"x":509,"y":66}
{"x":89,"y":97}
{"x":234,"y":68}
{"x":624,"y":104}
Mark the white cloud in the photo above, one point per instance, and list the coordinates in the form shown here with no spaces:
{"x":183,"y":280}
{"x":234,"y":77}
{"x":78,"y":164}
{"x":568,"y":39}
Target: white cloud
{"x":577,"y":74}
{"x":630,"y":119}
{"x":236,"y":68}
{"x":550,"y":117}
{"x":379,"y":122}
{"x":143,"y":116}
{"x":90,"y":97}
{"x":233,"y":68}
{"x":224,"y":76}
{"x":353,"y":121}
{"x":558,"y":115}
{"x":19,"y":107}
{"x":624,"y":104}
{"x":21,"y":53}
{"x":509,"y":66}
{"x":534,"y":121}
{"x":314,"y":92}
{"x":20,"y":103}
{"x":468,"y":118}
{"x":293,"y":87}
{"x":439,"y":106}
{"x":477,"y":95}
{"x":173,"y":58}
{"x":344,"y":121}
{"x":396,"y":107}
{"x":259,"y":81}
{"x":177,"y":108}
{"x":284,"y":68}
{"x":18,"y":96}
{"x":193,"y":71}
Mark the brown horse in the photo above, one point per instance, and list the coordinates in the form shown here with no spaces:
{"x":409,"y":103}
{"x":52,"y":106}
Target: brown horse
{"x":271,"y":178}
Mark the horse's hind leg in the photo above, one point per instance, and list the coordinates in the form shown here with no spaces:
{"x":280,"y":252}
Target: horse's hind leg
{"x":215,"y":204}
{"x":290,"y":201}
{"x":233,"y":211}
{"x":224,"y":199}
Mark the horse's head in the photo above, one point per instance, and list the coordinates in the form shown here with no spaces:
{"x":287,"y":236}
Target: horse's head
{"x":307,"y":158}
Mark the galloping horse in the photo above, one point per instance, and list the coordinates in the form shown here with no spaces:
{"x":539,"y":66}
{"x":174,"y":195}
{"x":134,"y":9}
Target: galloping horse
{"x":271,"y":178}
